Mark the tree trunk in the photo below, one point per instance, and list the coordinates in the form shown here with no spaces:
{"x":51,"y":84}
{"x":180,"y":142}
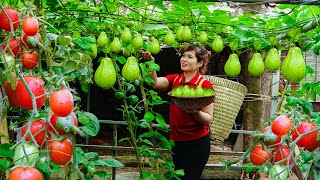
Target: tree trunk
{"x":252,"y":110}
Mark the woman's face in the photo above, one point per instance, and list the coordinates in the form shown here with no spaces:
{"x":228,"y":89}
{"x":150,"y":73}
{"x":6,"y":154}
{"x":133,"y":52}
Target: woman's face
{"x":189,"y":62}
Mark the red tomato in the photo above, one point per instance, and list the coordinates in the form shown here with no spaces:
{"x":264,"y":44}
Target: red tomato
{"x":259,"y":155}
{"x":281,"y":125}
{"x":36,"y":86}
{"x":29,"y":60}
{"x":264,"y":178}
{"x":14,"y":17}
{"x":278,"y":138}
{"x":61,"y":102}
{"x":30,"y":26}
{"x":13,"y":45}
{"x":36,"y":126}
{"x":25,"y":41}
{"x":60,"y":151}
{"x":302,"y":128}
{"x":54,"y":118}
{"x":314,"y":145}
{"x":25,"y":173}
{"x":283,"y":153}
{"x":12,"y":94}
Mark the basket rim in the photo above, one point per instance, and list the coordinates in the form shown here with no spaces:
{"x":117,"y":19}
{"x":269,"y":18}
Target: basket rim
{"x":226,"y":83}
{"x":188,"y":97}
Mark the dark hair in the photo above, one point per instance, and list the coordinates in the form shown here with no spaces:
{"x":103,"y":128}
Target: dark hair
{"x":202,"y":54}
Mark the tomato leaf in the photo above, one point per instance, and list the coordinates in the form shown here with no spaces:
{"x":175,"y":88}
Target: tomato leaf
{"x":112,"y":163}
{"x":90,"y":123}
{"x":91,"y":168}
{"x":4,"y":164}
{"x":91,"y":155}
{"x":249,"y":168}
{"x":305,"y":167}
{"x":80,"y":156}
{"x":102,"y":174}
{"x":5,"y":150}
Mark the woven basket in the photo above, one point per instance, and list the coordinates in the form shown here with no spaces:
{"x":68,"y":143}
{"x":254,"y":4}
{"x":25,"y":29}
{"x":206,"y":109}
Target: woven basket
{"x":229,"y":97}
{"x":189,"y":103}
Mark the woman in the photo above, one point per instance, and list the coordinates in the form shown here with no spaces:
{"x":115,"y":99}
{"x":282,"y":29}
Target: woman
{"x":189,"y":130}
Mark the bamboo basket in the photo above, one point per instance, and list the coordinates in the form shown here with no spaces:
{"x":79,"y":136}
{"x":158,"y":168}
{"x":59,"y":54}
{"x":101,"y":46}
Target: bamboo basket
{"x":190,"y":103}
{"x":229,"y":96}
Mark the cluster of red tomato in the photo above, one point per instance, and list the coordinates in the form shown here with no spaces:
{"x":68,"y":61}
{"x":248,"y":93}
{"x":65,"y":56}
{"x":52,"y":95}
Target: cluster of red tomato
{"x":277,"y":151}
{"x":30,"y":29}
{"x":61,"y":101}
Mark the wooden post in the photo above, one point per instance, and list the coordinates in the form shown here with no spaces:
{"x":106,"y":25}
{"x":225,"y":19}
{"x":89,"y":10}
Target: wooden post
{"x":252,"y":110}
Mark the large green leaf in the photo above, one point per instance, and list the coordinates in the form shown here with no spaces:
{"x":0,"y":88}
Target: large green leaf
{"x":5,"y":150}
{"x":91,"y":125}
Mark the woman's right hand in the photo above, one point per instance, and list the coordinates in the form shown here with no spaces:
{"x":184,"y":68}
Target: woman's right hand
{"x":147,"y":55}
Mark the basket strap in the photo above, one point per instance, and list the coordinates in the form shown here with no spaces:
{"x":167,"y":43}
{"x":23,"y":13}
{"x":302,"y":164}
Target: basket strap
{"x":200,"y":83}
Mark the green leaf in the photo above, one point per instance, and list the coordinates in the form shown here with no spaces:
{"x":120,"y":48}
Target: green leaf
{"x":180,"y":172}
{"x":83,"y":44}
{"x":5,"y":150}
{"x":309,"y":70}
{"x":4,"y":164}
{"x":148,"y":80}
{"x":91,"y":155}
{"x":121,"y":59}
{"x":160,"y":120}
{"x":312,"y":95}
{"x":80,"y":156}
{"x":305,"y":167}
{"x":55,"y":167}
{"x":148,"y":116}
{"x":91,"y":125}
{"x":112,"y":163}
{"x":91,"y":168}
{"x":102,"y":174}
{"x":153,"y":66}
{"x":166,"y":144}
{"x":249,"y":168}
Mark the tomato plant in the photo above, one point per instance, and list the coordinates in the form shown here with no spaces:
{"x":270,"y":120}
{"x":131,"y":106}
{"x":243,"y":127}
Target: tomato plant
{"x":14,"y":46}
{"x":29,"y":60}
{"x":61,"y":102}
{"x":55,"y":118}
{"x":36,"y":86}
{"x":38,"y":130}
{"x":25,"y":173}
{"x":11,"y":93}
{"x":277,"y":138}
{"x":25,"y":40}
{"x":25,"y":154}
{"x":30,"y":26}
{"x":14,"y":18}
{"x":282,"y":154}
{"x":281,"y":125}
{"x":259,"y":155}
{"x":60,"y":151}
{"x":308,"y":139}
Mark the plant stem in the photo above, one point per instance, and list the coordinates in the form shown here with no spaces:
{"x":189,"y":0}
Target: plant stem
{"x":146,"y":107}
{"x":130,"y":125}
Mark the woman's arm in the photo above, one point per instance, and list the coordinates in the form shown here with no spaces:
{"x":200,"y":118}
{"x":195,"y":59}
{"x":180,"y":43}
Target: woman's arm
{"x":160,"y":83}
{"x":205,"y":115}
